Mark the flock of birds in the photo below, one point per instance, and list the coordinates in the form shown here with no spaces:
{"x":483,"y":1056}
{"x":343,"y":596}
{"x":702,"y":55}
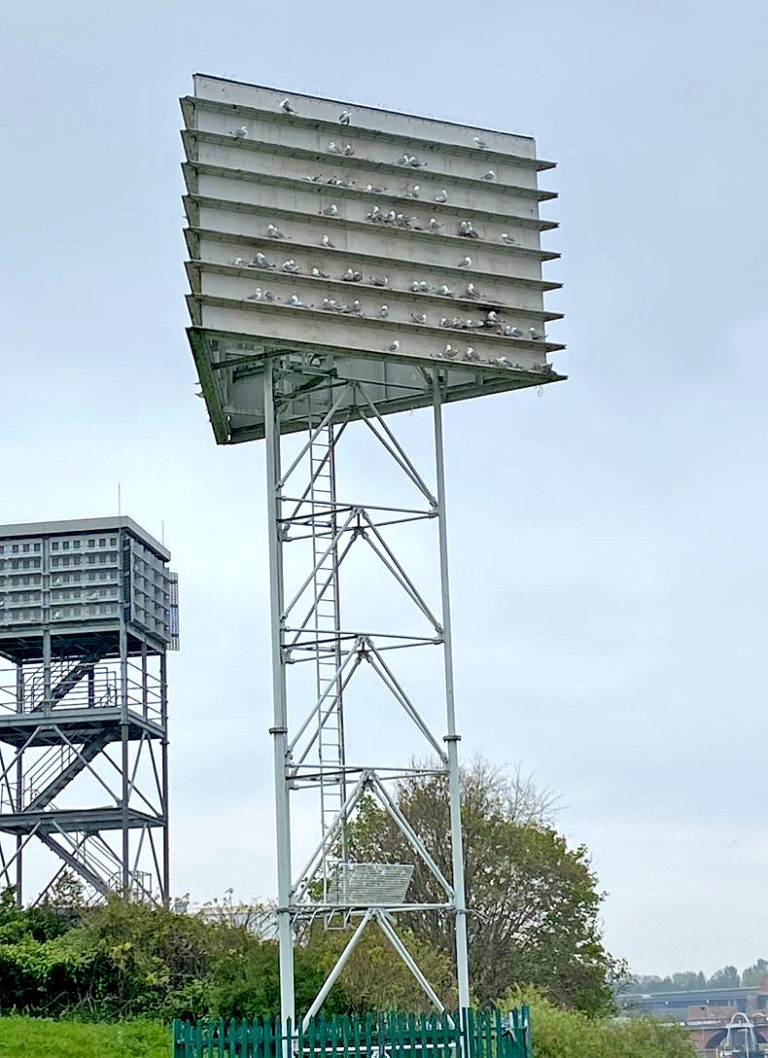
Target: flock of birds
{"x":491,"y":324}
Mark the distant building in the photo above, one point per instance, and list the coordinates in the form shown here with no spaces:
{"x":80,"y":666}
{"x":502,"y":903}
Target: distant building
{"x":706,"y":1014}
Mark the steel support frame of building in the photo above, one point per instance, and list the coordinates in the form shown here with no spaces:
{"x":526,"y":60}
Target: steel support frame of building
{"x":295,"y":514}
{"x":69,"y":707}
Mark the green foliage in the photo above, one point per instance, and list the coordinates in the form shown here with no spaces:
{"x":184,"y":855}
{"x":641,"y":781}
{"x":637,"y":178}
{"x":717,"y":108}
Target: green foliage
{"x":376,"y":979}
{"x":756,"y":974}
{"x":534,"y":902}
{"x":22,"y":1037}
{"x":129,"y":960}
{"x":559,"y":1033}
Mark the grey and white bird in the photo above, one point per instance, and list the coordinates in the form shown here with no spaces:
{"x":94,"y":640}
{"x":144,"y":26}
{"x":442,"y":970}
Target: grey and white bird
{"x":445,"y":291}
{"x":466,"y":262}
{"x":328,"y":303}
{"x":415,"y":163}
{"x":356,"y":307}
{"x":326,"y":241}
{"x":489,"y":176}
{"x":466,"y":229}
{"x":345,"y":117}
{"x":256,"y":295}
{"x":446,"y":322}
{"x":441,"y":196}
{"x":449,"y":351}
{"x":314,"y":179}
{"x":274,"y":232}
{"x":379,"y":281}
{"x":470,"y":354}
{"x":376,"y":189}
{"x":512,"y":332}
{"x":394,"y":346}
{"x":260,"y":261}
{"x":375,"y":215}
{"x":472,"y":291}
{"x":295,"y":302}
{"x":287,"y":106}
{"x":419,"y":317}
{"x":415,"y":286}
{"x":240,"y":133}
{"x":333,"y":148}
{"x":349,"y":150}
{"x":423,"y":286}
{"x":414,"y":191}
{"x":504,"y":361}
{"x":507,"y":238}
{"x":435,"y":225}
{"x":289,"y":266}
{"x":391,"y":217}
{"x":240,"y":262}
{"x":473,"y":324}
{"x":405,"y":159}
{"x":492,"y":318}
{"x":331,"y":211}
{"x":384,"y":311}
{"x":351,"y":276}
{"x":479,"y":142}
{"x":270,"y":295}
{"x":536,"y":336}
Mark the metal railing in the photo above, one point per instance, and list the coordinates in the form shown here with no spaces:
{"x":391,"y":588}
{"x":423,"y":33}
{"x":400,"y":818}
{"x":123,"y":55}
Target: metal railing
{"x":82,"y":685}
{"x":480,"y":1034}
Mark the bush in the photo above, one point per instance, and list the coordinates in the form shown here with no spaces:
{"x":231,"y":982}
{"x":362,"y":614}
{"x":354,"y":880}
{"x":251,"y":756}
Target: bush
{"x":558,"y":1033}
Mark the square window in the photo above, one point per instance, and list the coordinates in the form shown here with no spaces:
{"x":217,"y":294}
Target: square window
{"x":65,"y":545}
{"x":54,"y":545}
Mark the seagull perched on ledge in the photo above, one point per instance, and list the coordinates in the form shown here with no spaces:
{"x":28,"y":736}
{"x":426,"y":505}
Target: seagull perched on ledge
{"x":287,"y":107}
{"x":345,"y":117}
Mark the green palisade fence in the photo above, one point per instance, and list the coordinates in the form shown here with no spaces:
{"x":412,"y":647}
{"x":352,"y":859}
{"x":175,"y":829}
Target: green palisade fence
{"x":484,"y":1034}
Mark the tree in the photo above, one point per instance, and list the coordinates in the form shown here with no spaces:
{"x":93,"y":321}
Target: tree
{"x":757,"y":974}
{"x":533,"y":901}
{"x":728,"y":977}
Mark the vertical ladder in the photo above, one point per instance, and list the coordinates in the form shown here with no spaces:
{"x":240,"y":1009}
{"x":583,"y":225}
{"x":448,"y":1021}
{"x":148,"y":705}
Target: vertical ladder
{"x":327,"y":625}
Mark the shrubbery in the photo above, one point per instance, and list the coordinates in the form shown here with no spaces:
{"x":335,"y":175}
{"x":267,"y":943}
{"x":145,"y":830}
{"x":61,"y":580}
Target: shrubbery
{"x":558,"y":1033}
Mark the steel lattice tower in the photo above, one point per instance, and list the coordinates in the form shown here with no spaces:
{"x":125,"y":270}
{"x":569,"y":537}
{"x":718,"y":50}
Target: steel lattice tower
{"x":347,"y":264}
{"x":88,"y":610}
{"x":308,"y":626}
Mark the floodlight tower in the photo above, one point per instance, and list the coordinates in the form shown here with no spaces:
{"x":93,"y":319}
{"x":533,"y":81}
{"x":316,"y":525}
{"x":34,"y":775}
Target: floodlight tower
{"x":346,"y":264}
{"x":88,"y":609}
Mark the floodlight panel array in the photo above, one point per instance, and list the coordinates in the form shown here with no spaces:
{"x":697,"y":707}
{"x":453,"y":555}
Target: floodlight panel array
{"x":78,"y":578}
{"x":393,"y":269}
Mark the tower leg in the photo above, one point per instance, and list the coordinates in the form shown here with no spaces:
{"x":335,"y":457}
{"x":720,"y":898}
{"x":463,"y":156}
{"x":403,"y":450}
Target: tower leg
{"x":279,"y":730}
{"x":451,"y":738}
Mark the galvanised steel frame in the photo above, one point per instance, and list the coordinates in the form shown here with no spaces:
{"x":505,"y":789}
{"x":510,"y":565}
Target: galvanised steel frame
{"x":310,"y":750}
{"x":86,"y":720}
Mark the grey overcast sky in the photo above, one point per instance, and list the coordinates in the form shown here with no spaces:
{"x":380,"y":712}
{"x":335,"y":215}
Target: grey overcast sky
{"x":607,"y":540}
